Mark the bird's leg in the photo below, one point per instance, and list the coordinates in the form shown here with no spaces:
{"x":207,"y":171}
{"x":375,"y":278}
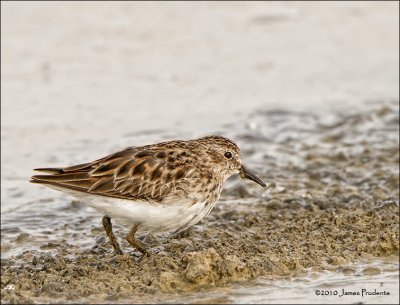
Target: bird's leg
{"x":137,"y":244}
{"x":108,"y":228}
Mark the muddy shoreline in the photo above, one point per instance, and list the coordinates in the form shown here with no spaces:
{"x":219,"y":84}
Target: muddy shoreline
{"x":239,"y":243}
{"x":304,"y":89}
{"x":335,"y":202}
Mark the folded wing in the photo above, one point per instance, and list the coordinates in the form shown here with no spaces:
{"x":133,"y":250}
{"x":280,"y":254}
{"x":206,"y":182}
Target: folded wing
{"x":129,"y":174}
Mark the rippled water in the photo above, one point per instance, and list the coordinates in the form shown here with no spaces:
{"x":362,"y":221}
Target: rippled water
{"x":273,"y":139}
{"x":292,"y":94}
{"x":327,"y":287}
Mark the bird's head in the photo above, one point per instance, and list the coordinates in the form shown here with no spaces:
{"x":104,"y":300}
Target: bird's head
{"x":227,"y":158}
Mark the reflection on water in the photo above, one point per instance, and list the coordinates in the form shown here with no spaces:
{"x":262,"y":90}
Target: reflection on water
{"x":355,"y":284}
{"x":327,"y":287}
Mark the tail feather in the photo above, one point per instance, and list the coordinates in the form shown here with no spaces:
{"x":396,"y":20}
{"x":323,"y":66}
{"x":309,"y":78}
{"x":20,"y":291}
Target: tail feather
{"x":74,"y":177}
{"x":61,"y":187}
{"x":80,"y":167}
{"x":58,"y":170}
{"x":62,"y":177}
{"x":76,"y":181}
{"x":49,"y":170}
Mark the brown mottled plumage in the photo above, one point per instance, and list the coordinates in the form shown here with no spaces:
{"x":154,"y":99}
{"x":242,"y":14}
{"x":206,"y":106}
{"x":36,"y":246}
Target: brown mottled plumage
{"x":167,"y":186}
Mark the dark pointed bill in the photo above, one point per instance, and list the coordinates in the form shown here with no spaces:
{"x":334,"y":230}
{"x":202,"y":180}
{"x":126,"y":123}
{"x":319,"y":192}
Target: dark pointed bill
{"x":248,"y":174}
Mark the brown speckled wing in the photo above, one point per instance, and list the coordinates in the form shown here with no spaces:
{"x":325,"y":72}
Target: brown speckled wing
{"x":133,"y":173}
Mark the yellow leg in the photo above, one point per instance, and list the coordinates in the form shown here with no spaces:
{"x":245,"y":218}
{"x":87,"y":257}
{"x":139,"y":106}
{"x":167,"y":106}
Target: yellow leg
{"x":108,"y":228}
{"x":137,"y":244}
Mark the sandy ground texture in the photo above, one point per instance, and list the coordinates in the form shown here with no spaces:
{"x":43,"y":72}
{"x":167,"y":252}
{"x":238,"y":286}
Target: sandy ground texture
{"x":335,"y":202}
{"x":81,"y":80}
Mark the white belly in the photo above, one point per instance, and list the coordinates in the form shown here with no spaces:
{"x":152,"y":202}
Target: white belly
{"x":150,"y":217}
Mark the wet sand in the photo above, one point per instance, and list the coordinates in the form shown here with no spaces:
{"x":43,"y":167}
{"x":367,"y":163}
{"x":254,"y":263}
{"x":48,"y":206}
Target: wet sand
{"x":304,"y":88}
{"x":334,"y":203}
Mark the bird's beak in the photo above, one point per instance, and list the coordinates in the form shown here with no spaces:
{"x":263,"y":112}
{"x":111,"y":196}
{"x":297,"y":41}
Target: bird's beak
{"x":248,"y":174}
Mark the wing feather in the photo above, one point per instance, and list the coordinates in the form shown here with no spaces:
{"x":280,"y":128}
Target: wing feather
{"x":133,"y":173}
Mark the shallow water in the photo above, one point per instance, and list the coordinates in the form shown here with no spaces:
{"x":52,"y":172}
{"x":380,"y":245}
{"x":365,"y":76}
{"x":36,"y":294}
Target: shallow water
{"x":338,"y":287}
{"x":302,"y":119}
{"x":339,"y":171}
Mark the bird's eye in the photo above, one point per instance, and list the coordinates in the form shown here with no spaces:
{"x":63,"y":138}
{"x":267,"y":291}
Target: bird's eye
{"x":228,"y":155}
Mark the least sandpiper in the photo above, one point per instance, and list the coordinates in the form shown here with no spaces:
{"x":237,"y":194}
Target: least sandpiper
{"x":164,"y":187}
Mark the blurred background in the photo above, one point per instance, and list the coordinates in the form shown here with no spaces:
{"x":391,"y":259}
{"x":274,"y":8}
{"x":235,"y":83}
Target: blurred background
{"x":309,"y":91}
{"x":82,"y":79}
